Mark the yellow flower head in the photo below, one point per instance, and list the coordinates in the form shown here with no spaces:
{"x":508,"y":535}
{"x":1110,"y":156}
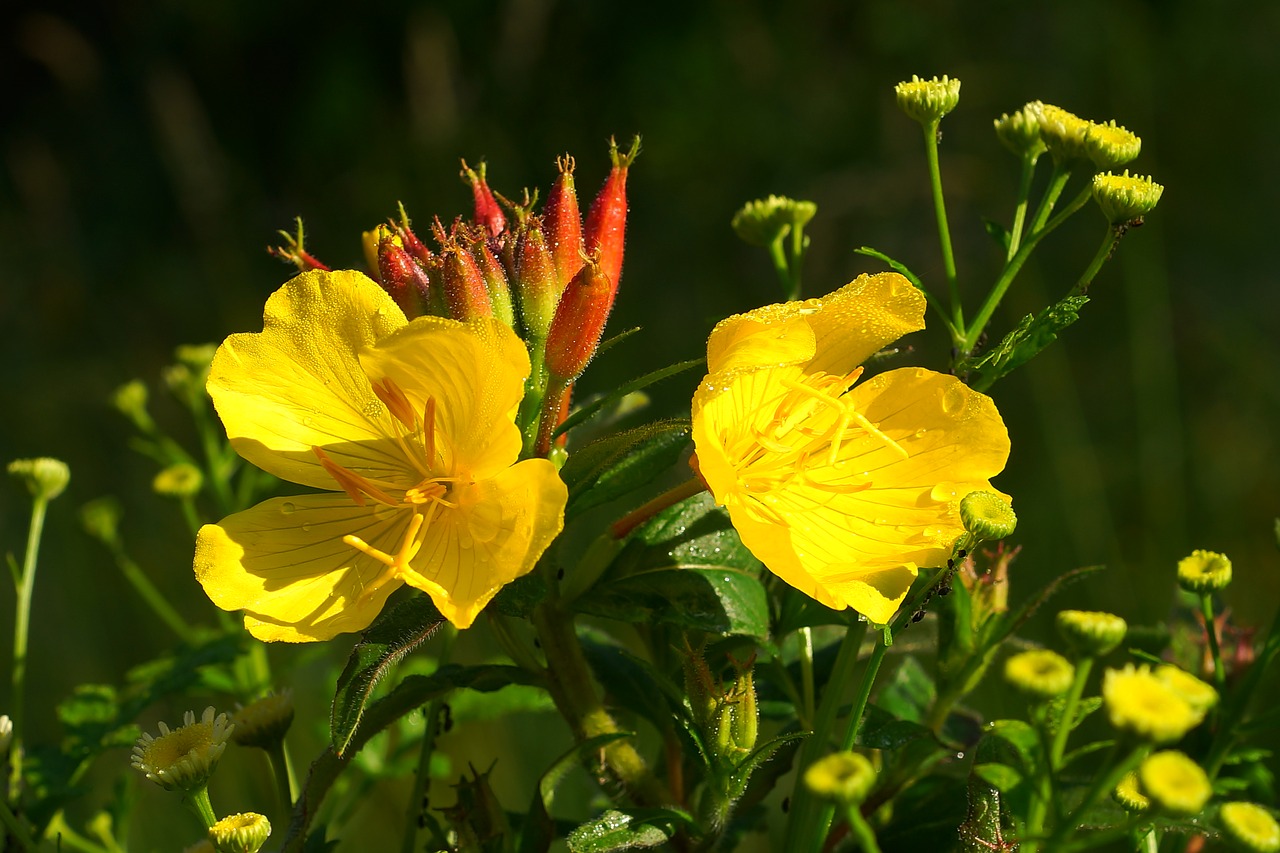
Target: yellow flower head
{"x":1039,"y":673}
{"x":1175,"y":783}
{"x":1204,"y":571}
{"x":846,"y":777}
{"x":843,"y":491}
{"x":1251,"y":826}
{"x":184,"y":758}
{"x":1196,"y":693}
{"x":409,"y":426}
{"x":1140,"y":702}
{"x":1128,"y":793}
{"x":240,"y":833}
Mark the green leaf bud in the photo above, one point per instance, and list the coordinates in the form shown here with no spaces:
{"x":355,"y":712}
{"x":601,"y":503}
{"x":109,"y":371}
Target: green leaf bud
{"x":1020,"y":131}
{"x":987,"y":516}
{"x":765,"y":220}
{"x":264,"y":722}
{"x":1091,"y":633}
{"x":45,"y":478}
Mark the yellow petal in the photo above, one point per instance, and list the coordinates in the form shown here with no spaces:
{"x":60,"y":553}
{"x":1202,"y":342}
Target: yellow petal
{"x":862,"y":318}
{"x":474,"y":371}
{"x":284,"y":563}
{"x":498,"y":531}
{"x":298,"y":382}
{"x":772,"y":335}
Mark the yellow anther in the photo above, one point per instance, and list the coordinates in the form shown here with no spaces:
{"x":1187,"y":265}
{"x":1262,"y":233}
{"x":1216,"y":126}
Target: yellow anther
{"x":394,"y":398}
{"x":352,"y":483}
{"x":429,"y":430}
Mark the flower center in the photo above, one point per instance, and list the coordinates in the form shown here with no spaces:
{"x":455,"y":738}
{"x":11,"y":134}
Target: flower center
{"x":813,"y":432}
{"x":422,"y":447}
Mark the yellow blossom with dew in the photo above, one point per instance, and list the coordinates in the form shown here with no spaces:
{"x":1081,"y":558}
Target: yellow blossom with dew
{"x":842,"y":490}
{"x":184,"y":758}
{"x":409,"y":426}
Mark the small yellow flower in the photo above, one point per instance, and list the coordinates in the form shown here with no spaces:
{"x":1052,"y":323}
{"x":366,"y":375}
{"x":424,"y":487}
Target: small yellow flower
{"x":184,"y":758}
{"x":1110,"y":146}
{"x":1128,"y":794}
{"x":1204,"y":571}
{"x":1090,"y":632}
{"x":927,"y":101}
{"x":264,"y":722}
{"x":1199,"y":695}
{"x":1063,"y":133}
{"x":1251,"y":826}
{"x":178,"y":481}
{"x":1138,"y":701}
{"x":1039,"y":673}
{"x":987,"y":516}
{"x":1124,"y":198}
{"x":846,"y":777}
{"x":411,"y":428}
{"x":1020,"y":132}
{"x":1175,"y":783}
{"x":240,"y":833}
{"x":843,"y":491}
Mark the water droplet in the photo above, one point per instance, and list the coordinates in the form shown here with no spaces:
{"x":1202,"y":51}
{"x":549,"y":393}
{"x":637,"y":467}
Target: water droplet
{"x":287,"y":507}
{"x":953,"y":399}
{"x":920,"y":433}
{"x":306,"y":528}
{"x":959,"y":756}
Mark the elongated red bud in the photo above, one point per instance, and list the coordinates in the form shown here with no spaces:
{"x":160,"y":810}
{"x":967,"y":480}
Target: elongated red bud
{"x":495,"y":280}
{"x":411,"y":242}
{"x":563,"y":223}
{"x":488,"y":213}
{"x":465,"y":295}
{"x":401,"y":277}
{"x":606,"y":224}
{"x":294,"y":250}
{"x":535,"y":279}
{"x":578,"y":324}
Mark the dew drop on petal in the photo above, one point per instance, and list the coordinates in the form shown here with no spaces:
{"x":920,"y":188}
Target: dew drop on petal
{"x":287,"y":507}
{"x":953,"y":400}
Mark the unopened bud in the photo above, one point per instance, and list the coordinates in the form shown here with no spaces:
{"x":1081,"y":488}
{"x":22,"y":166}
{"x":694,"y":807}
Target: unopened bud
{"x":294,"y":250}
{"x":763,"y":221}
{"x":264,"y":722}
{"x":1039,"y":673}
{"x":465,"y":294}
{"x":579,"y":322}
{"x":45,"y":478}
{"x":401,"y":276}
{"x":535,"y":277}
{"x":1109,"y":146}
{"x":1063,"y":133}
{"x":927,"y":101}
{"x":846,"y":777}
{"x":130,"y":400}
{"x":371,"y":241}
{"x":1124,"y":198}
{"x":562,"y":221}
{"x":1128,"y":793}
{"x":987,"y":516}
{"x":606,"y":226}
{"x":178,"y":481}
{"x":1204,"y":571}
{"x":411,"y":242}
{"x":1020,"y":132}
{"x":1250,"y":826}
{"x":100,"y":518}
{"x":495,"y":281}
{"x":488,"y":214}
{"x":1091,"y":633}
{"x":240,"y":833}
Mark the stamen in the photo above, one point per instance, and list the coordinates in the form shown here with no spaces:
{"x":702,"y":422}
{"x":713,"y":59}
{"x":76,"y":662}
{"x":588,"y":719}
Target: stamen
{"x":393,"y":397}
{"x":352,"y":483}
{"x":429,"y":429}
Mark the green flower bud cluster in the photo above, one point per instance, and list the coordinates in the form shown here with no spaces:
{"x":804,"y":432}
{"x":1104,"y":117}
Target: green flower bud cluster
{"x":765,"y":220}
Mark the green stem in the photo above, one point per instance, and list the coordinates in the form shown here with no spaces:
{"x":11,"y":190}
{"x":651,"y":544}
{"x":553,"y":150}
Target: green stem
{"x":861,"y":832}
{"x":1059,"y":745}
{"x":214,"y":454}
{"x":807,"y":692}
{"x":198,"y":802}
{"x":998,"y":290}
{"x":1042,"y":794}
{"x":798,"y":246}
{"x":1211,"y":632}
{"x":779,"y":257}
{"x":1101,"y":785}
{"x":1057,"y":182}
{"x":1020,"y":212}
{"x":16,"y":830}
{"x":152,"y":596}
{"x":803,"y":835}
{"x":21,"y":633}
{"x":189,"y":513}
{"x":283,"y":773}
{"x":940,"y":213}
{"x":629,"y":522}
{"x":1100,"y":257}
{"x":422,"y":778}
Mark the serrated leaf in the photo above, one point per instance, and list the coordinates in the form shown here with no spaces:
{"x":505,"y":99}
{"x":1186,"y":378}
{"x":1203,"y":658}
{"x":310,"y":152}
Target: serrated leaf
{"x":539,"y":829}
{"x":748,"y":766}
{"x":687,"y":567}
{"x":591,"y":409}
{"x":616,"y":830}
{"x":1032,"y":334}
{"x":910,"y":693}
{"x":620,"y":463}
{"x":394,"y":634}
{"x":1084,"y":708}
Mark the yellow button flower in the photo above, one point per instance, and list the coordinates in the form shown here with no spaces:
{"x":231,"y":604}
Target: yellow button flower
{"x":843,"y":491}
{"x":410,"y":426}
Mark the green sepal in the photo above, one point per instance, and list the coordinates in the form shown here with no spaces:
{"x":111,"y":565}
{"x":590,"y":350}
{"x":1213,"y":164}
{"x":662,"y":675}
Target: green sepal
{"x":396,"y":632}
{"x":741,"y":774}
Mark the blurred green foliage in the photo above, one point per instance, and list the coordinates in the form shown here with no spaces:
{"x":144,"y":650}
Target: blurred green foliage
{"x":149,"y":150}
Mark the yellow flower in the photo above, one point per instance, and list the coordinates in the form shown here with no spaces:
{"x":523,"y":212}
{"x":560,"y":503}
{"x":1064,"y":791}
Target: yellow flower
{"x":842,"y":491}
{"x":1139,"y":701}
{"x":183,"y":758}
{"x":411,"y":425}
{"x":1039,"y":673}
{"x":1175,"y":783}
{"x":1251,"y":826}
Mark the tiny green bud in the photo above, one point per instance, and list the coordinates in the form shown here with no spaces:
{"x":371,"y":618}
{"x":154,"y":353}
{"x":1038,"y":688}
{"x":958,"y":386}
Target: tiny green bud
{"x":100,"y":518}
{"x":927,"y":101}
{"x":1039,"y":673}
{"x":1020,"y":132}
{"x":178,"y":481}
{"x":987,"y":516}
{"x":1128,"y":794}
{"x":1091,"y":633}
{"x":1204,"y":571}
{"x":765,"y":220}
{"x":1063,"y":133}
{"x":1250,"y":826}
{"x":264,"y":722}
{"x":1109,"y":146}
{"x":240,"y":833}
{"x":1124,"y":198}
{"x":1176,"y":784}
{"x":6,"y":734}
{"x":130,"y":400}
{"x":45,"y":478}
{"x":198,"y":357}
{"x":846,"y":777}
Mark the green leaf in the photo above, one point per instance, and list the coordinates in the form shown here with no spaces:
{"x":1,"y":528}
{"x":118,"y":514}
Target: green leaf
{"x":394,"y":634}
{"x":1002,"y":777}
{"x":622,"y":462}
{"x":896,"y":266}
{"x":686,"y":567}
{"x":1028,"y":338}
{"x":519,"y":597}
{"x":1084,"y":708}
{"x":996,"y":232}
{"x":591,"y":409}
{"x":1088,"y":749}
{"x":616,"y":830}
{"x":631,"y":683}
{"x":910,"y":693}
{"x":882,"y":730}
{"x":987,"y":823}
{"x":748,"y":766}
{"x":539,"y":829}
{"x":1011,"y":742}
{"x":925,"y":816}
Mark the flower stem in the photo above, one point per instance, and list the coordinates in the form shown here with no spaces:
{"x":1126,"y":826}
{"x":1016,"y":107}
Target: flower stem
{"x":152,"y":596}
{"x":803,"y":834}
{"x":1057,"y":181}
{"x":1059,"y":745}
{"x":1102,"y":784}
{"x":1020,"y":212}
{"x":283,"y":773}
{"x":779,"y":257}
{"x":629,"y":522}
{"x":798,"y":246}
{"x":940,"y":213}
{"x":198,"y":802}
{"x":1100,"y":257}
{"x":1211,"y":632}
{"x":422,"y":778}
{"x":17,"y":831}
{"x":21,"y":632}
{"x":805,"y":712}
{"x":861,"y":832}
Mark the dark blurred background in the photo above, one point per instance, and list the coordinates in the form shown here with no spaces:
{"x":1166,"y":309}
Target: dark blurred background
{"x":150,"y":150}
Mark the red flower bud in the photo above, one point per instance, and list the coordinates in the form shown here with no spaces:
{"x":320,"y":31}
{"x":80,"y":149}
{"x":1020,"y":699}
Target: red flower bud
{"x":607,"y":220}
{"x":535,"y":276}
{"x":465,"y":295}
{"x":495,"y":280}
{"x":294,"y":250}
{"x":488,"y":213}
{"x":412,"y":244}
{"x":563,"y":223}
{"x":578,"y":324}
{"x":401,"y":277}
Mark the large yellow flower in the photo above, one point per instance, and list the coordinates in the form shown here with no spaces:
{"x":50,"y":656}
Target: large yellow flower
{"x":842,"y":490}
{"x":411,"y":427}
